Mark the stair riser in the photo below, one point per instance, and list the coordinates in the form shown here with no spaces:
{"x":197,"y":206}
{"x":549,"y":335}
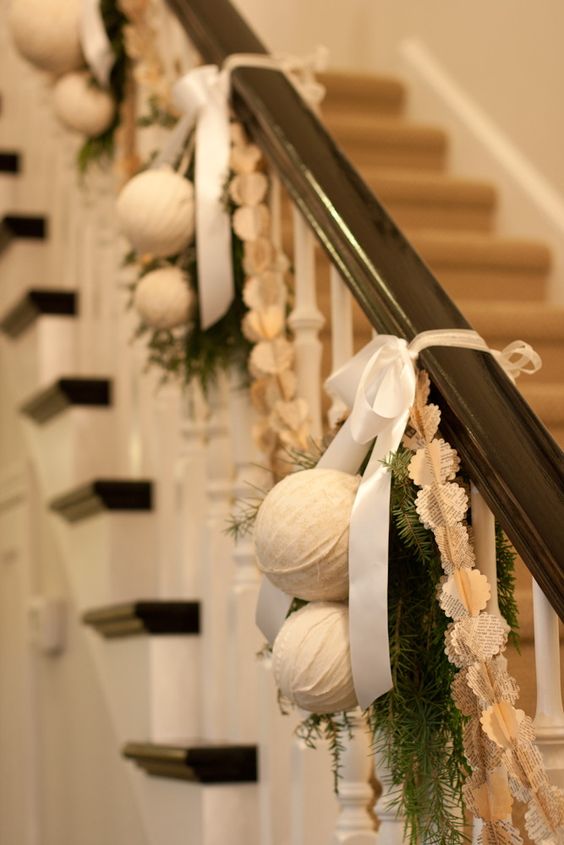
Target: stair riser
{"x":114,"y":558}
{"x":410,"y":158}
{"x":154,"y":685}
{"x":23,"y":262}
{"x":75,"y":446}
{"x":41,"y":354}
{"x":412,"y":217}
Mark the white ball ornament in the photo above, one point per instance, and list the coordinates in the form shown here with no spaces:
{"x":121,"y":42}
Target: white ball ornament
{"x":163,"y":298}
{"x":302,"y":534}
{"x":311,"y":658}
{"x":156,"y":212}
{"x":81,"y":105}
{"x":46,"y":33}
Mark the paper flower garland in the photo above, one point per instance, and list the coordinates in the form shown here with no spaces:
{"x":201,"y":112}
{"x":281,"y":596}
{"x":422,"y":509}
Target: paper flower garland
{"x":498,"y":739}
{"x":283,"y":417}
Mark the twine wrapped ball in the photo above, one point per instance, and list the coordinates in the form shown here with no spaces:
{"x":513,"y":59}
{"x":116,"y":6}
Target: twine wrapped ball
{"x":311,"y":658}
{"x":163,"y":298}
{"x":302,"y":534}
{"x":81,"y":105}
{"x":156,"y":212}
{"x":46,"y":33}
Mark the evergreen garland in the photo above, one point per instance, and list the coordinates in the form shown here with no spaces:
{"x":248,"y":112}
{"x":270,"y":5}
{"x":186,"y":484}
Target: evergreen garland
{"x":100,"y":148}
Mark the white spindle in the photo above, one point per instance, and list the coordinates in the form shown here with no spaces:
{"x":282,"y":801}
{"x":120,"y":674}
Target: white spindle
{"x":483,"y":531}
{"x":355,"y":825}
{"x":391,"y":829}
{"x":549,"y":718}
{"x":342,"y":335}
{"x":306,"y":321}
{"x":244,"y":637}
{"x":217,"y":570}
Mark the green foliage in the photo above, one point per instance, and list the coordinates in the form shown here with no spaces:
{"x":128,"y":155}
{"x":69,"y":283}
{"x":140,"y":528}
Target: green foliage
{"x":335,"y":728}
{"x":100,"y":149}
{"x":416,"y":726}
{"x":156,"y":116}
{"x":505,"y":556}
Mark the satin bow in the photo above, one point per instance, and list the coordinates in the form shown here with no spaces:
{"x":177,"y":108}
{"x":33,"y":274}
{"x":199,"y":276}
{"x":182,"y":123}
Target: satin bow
{"x":94,"y":41}
{"x":379,"y":385}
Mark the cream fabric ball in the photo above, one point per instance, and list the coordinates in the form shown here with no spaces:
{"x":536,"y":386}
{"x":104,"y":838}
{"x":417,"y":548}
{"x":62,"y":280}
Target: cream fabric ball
{"x":81,"y":105}
{"x":156,"y":212}
{"x":163,"y":298}
{"x":311,"y":658}
{"x":46,"y":33}
{"x":302,"y":534}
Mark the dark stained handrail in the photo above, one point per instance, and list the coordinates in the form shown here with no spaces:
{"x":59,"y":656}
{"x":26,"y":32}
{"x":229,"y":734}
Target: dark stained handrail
{"x":513,"y":460}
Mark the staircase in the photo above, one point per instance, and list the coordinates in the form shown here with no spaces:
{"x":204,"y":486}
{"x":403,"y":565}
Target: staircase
{"x":112,"y":521}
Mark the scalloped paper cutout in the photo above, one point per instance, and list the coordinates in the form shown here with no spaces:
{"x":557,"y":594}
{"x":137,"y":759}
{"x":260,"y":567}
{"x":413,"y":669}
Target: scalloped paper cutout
{"x":441,"y":504}
{"x":524,"y":762}
{"x":248,"y":188}
{"x":544,"y":820}
{"x":245,"y":158}
{"x":501,"y":723}
{"x":477,"y":638}
{"x":264,"y":325}
{"x":462,"y":695}
{"x":267,"y":289}
{"x":426,"y":420}
{"x":492,"y":800}
{"x":481,"y":752}
{"x":271,"y":357}
{"x":251,"y":222}
{"x":258,"y":256}
{"x":435,"y":463}
{"x":466,"y":592}
{"x":500,"y":832}
{"x":492,"y":682}
{"x":291,"y":421}
{"x":455,"y":547}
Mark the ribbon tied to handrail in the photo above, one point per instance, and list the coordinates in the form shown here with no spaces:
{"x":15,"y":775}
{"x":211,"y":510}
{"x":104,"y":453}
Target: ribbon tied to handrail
{"x":96,"y":45}
{"x":378,"y":384}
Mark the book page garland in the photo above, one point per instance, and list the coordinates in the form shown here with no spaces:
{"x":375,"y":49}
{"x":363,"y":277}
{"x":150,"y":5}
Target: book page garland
{"x":499,"y":738}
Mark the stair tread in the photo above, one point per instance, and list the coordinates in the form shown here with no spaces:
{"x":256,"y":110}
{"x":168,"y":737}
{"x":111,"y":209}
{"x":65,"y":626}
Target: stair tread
{"x":529,"y":321}
{"x":103,"y":495}
{"x":376,"y":130}
{"x":428,"y":188}
{"x":65,"y":393}
{"x":34,"y":303}
{"x":196,"y":760}
{"x":482,"y":250}
{"x":547,"y":399}
{"x":361,"y":87}
{"x":155,"y":616}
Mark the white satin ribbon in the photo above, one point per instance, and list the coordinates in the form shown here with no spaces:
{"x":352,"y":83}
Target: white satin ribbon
{"x":94,"y":41}
{"x":379,"y":384}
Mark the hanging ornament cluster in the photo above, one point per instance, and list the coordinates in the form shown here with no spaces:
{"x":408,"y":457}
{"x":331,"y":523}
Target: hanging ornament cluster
{"x":302,"y":543}
{"x":498,"y":738}
{"x":155,"y":212}
{"x":50,"y":35}
{"x":283,"y":417}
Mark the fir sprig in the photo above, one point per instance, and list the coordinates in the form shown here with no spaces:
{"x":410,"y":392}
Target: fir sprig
{"x":334,"y":728}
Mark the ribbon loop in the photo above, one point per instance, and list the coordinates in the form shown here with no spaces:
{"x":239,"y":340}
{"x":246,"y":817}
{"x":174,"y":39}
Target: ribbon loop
{"x":95,"y":43}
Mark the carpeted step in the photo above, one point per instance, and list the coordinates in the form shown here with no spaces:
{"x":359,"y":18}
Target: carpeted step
{"x":433,"y":201}
{"x":357,"y":92}
{"x":389,"y":142}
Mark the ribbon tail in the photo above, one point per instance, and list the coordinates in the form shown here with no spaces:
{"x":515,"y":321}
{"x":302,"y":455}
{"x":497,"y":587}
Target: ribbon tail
{"x":272,"y":608}
{"x":213,"y":225}
{"x":96,"y":45}
{"x":368,"y":590}
{"x":344,"y":452}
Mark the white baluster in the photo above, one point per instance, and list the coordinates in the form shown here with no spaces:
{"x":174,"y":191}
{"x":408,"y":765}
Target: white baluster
{"x":306,"y":322}
{"x":217,"y":570}
{"x":391,"y":827}
{"x":342,"y":335}
{"x":244,"y":637}
{"x":483,"y":532}
{"x":355,"y":825}
{"x":549,"y":718}
{"x":190,"y":473}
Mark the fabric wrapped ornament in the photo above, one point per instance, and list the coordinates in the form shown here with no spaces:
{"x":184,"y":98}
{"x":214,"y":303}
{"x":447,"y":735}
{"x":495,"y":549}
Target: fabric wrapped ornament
{"x":163,"y":298}
{"x":302,"y":534}
{"x":46,"y":33}
{"x":156,"y":212}
{"x":81,"y":105}
{"x":311,"y":658}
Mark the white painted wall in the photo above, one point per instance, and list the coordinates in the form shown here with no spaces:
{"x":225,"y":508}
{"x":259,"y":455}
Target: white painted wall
{"x":507,"y":54}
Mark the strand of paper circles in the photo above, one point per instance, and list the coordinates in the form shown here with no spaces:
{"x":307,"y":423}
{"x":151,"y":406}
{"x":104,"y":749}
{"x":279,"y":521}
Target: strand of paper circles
{"x":499,"y":739}
{"x":283,"y":417}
